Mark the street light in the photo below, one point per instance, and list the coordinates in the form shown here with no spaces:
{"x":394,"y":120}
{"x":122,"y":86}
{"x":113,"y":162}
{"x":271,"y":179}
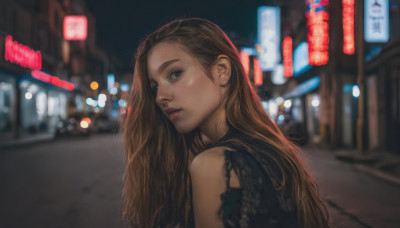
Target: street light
{"x":94,"y":85}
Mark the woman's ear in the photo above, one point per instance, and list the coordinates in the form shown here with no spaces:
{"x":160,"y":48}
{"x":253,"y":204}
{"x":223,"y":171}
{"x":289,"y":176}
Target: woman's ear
{"x":222,"y":70}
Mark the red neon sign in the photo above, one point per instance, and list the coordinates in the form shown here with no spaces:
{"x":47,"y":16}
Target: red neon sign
{"x":258,"y":79}
{"x":22,"y":55}
{"x":348,"y":27}
{"x":287,"y":56}
{"x":75,"y":27}
{"x":52,"y":80}
{"x":244,"y":58}
{"x":318,"y":33}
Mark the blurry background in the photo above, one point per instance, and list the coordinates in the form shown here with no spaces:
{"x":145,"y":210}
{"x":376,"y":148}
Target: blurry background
{"x":328,"y":73}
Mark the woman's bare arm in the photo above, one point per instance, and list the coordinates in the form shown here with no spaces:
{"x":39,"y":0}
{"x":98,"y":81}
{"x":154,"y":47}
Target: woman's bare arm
{"x":208,"y":183}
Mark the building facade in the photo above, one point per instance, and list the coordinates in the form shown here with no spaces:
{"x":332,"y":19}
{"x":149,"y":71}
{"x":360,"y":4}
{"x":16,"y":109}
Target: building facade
{"x":43,"y":77}
{"x":354,"y":99}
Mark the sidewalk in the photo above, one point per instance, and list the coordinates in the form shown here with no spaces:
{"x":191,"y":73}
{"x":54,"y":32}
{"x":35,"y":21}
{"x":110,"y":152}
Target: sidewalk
{"x":380,"y":164}
{"x":25,"y":140}
{"x":357,"y":191}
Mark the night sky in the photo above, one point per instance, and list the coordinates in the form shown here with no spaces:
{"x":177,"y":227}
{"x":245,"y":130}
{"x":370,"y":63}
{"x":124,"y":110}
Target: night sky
{"x":122,"y":24}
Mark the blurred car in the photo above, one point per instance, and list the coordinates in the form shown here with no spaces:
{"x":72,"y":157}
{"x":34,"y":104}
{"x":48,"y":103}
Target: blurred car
{"x":294,"y":129}
{"x":103,"y":123}
{"x":74,"y":125}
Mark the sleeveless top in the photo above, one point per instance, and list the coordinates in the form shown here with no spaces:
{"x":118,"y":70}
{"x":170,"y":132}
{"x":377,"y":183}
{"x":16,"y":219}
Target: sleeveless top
{"x":256,"y":203}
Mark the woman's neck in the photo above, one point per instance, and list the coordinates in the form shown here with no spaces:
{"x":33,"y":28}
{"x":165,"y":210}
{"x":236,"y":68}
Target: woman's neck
{"x":216,"y":127}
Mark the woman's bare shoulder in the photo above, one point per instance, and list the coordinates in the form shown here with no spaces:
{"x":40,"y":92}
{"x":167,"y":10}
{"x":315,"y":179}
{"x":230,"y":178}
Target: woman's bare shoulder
{"x":208,"y":160}
{"x":210,"y":165}
{"x":208,"y":177}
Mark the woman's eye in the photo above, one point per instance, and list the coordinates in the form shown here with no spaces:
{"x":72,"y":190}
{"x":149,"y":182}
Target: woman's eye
{"x":154,"y":89}
{"x":175,"y":74}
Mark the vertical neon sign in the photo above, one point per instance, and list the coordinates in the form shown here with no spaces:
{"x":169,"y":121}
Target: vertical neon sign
{"x":376,"y":21}
{"x":318,"y":31}
{"x":287,"y":56}
{"x":244,"y":58}
{"x":258,"y":79}
{"x":348,"y":27}
{"x":269,"y":36}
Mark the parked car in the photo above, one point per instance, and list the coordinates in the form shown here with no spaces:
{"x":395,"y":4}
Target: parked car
{"x":103,"y":123}
{"x":74,"y":125}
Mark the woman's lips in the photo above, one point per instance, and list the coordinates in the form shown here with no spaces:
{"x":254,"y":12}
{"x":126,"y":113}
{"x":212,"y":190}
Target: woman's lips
{"x":172,"y":112}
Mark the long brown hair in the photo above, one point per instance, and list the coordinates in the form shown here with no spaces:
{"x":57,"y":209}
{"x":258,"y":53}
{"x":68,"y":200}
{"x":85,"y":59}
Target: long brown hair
{"x":156,"y":188}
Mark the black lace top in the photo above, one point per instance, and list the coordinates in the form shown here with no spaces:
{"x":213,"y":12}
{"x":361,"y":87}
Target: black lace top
{"x":256,"y":203}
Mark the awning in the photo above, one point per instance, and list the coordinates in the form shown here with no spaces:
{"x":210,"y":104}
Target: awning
{"x":303,"y":88}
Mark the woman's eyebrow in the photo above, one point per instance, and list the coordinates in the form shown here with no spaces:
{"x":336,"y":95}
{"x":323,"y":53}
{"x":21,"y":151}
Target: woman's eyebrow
{"x":166,"y":64}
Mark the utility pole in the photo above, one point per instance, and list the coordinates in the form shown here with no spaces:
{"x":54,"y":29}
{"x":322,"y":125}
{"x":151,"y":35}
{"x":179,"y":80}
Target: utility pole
{"x":360,"y":76}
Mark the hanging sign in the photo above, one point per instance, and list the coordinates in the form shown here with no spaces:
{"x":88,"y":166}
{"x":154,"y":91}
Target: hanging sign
{"x":75,"y":27}
{"x":287,"y":51}
{"x":318,"y":31}
{"x":348,"y":27}
{"x":269,"y":37}
{"x":376,"y":19}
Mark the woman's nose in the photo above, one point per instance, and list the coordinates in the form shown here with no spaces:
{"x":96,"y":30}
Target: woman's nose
{"x":163,"y":95}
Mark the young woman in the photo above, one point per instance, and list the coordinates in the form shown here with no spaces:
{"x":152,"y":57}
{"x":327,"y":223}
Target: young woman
{"x":200,"y":149}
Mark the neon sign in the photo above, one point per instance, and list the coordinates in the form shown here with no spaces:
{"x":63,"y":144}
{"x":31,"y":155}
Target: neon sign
{"x":22,"y":55}
{"x":318,"y":31}
{"x":300,"y":59}
{"x":244,"y":58}
{"x":348,"y":27}
{"x":269,"y":36}
{"x":52,"y":80}
{"x":287,"y":56}
{"x":75,"y":27}
{"x":258,"y":79}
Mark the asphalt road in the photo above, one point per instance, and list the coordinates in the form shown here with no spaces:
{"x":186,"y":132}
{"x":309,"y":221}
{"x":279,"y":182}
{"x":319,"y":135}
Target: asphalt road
{"x":354,"y":198}
{"x":63,"y":183}
{"x":77,"y":183}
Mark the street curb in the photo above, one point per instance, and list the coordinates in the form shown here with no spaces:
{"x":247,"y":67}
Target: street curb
{"x":26,"y":141}
{"x":379,"y":174}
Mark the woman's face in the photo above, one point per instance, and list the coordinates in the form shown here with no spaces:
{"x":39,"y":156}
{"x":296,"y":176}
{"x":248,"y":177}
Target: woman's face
{"x":184,"y":92}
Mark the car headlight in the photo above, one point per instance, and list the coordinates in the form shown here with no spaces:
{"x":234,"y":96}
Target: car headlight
{"x":85,"y":122}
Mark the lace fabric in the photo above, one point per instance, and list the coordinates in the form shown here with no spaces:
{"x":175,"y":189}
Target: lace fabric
{"x":256,"y":203}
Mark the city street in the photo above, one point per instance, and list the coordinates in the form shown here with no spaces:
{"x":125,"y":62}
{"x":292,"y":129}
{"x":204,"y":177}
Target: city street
{"x":354,"y":198}
{"x":62,"y":184}
{"x":77,"y":183}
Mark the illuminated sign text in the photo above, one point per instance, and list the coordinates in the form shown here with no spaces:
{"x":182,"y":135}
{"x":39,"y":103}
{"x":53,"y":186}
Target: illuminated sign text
{"x":269,"y":37}
{"x":244,"y":58}
{"x":376,"y":21}
{"x":75,"y":27}
{"x":318,"y":31}
{"x":287,"y":56}
{"x":348,"y":26}
{"x":22,"y":55}
{"x":258,"y":79}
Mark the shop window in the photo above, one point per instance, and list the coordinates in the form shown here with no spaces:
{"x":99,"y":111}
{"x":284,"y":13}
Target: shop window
{"x":6,"y":106}
{"x":34,"y":117}
{"x":57,"y":108}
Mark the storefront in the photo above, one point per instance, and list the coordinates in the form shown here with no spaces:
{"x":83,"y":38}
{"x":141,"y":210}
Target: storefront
{"x":383,"y":106}
{"x":41,"y":107}
{"x":350,"y":94}
{"x":31,"y":101}
{"x":8,"y":110}
{"x":302,"y":106}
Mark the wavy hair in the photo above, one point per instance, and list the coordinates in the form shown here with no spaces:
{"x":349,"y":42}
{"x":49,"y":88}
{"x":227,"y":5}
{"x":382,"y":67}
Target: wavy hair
{"x":156,"y":182}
